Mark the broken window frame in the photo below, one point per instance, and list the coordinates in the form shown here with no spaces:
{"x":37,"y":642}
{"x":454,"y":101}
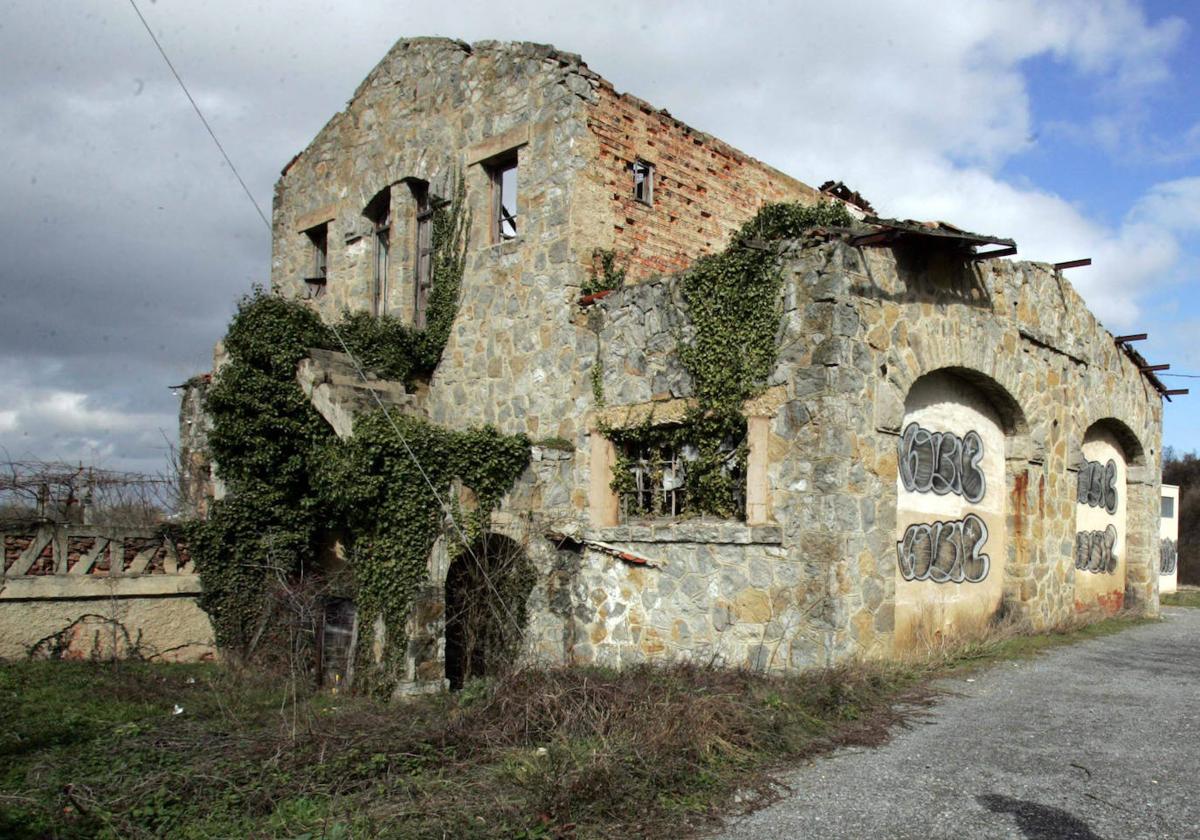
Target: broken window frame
{"x":643,"y":181}
{"x":318,"y":239}
{"x":379,"y":213}
{"x":505,"y":224}
{"x":423,"y":267}
{"x":659,"y":480}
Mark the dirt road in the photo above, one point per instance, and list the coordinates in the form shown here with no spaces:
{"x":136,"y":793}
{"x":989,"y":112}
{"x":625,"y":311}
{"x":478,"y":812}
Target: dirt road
{"x":1095,"y":740}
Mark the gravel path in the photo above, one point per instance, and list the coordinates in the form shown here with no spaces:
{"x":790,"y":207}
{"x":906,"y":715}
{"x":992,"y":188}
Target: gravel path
{"x":1099,"y":739}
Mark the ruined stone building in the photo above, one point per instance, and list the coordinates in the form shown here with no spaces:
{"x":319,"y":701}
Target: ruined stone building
{"x":945,"y":436}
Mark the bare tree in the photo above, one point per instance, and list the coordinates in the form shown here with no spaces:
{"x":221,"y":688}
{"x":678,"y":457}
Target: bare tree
{"x":33,"y":491}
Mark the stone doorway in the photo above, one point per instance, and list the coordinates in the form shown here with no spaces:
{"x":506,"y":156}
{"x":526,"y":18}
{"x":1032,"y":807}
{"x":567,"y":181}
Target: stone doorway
{"x":486,"y":592}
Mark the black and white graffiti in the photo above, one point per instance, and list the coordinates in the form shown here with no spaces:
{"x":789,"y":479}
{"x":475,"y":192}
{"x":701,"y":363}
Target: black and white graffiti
{"x":1168,"y":551}
{"x":1098,"y":485}
{"x":942,"y":462}
{"x":1094,"y":551}
{"x":945,"y":552}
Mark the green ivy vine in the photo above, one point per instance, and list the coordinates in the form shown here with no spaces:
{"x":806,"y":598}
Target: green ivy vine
{"x":733,"y":302}
{"x":292,"y":486}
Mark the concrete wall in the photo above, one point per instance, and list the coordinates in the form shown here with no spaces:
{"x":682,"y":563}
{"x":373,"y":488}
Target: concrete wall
{"x":81,"y":592}
{"x":1168,"y":570}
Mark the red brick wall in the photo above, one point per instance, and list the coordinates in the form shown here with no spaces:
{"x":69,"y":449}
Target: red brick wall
{"x":704,"y":189}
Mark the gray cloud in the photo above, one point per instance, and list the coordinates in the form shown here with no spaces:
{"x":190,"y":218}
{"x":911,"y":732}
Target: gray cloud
{"x":127,"y":241}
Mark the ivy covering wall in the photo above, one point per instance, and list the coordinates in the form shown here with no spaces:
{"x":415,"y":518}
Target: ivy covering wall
{"x":292,"y":486}
{"x":733,"y":301}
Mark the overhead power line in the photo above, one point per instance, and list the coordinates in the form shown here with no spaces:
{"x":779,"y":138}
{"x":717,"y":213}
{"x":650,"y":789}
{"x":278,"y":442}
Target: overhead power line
{"x":200,"y":114}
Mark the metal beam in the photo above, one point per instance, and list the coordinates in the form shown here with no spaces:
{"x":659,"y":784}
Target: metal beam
{"x":1147,"y":368}
{"x":1125,"y":339}
{"x":1175,"y":391}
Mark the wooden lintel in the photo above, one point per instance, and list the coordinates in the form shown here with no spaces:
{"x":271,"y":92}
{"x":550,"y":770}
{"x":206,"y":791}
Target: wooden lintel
{"x":1175,"y":392}
{"x":1150,"y":368}
{"x":1125,"y":339}
{"x":1072,"y":264}
{"x":991,"y":255}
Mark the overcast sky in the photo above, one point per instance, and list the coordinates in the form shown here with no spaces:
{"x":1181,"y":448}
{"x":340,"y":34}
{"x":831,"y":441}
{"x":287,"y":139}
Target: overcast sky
{"x":1071,"y":126}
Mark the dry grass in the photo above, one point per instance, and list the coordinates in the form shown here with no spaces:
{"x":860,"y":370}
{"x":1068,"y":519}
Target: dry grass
{"x":1185,"y":596}
{"x":981,"y":640}
{"x":92,"y":750}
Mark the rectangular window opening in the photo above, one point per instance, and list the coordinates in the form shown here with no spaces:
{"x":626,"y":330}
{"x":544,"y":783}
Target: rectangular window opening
{"x":503,"y":174}
{"x":1168,"y":507}
{"x":423,"y":278}
{"x":318,"y":238}
{"x":379,"y":213}
{"x":656,"y":484}
{"x":643,"y":181}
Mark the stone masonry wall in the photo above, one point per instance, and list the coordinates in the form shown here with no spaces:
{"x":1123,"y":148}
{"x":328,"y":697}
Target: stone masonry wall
{"x":814,"y":580}
{"x":859,"y":328}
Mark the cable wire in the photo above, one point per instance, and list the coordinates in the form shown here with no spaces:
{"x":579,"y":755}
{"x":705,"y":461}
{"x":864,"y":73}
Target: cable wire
{"x":200,"y":114}
{"x":462,"y":535}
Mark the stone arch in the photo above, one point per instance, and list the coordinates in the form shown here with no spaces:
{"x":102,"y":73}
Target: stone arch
{"x":1108,"y":450}
{"x":486,"y":590}
{"x":1131,"y":444}
{"x":952,"y":483}
{"x":993,"y":382}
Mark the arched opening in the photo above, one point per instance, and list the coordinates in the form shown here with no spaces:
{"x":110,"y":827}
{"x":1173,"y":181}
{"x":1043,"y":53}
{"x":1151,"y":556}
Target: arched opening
{"x":951,"y":504}
{"x":1101,"y":498}
{"x":487,"y":588}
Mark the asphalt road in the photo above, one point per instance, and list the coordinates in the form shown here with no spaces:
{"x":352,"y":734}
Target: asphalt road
{"x":1100,"y":739}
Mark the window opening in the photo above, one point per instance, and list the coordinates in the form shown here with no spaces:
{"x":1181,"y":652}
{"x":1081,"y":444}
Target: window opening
{"x":658,"y":479}
{"x":1168,"y":507}
{"x":379,"y":212}
{"x":643,"y":181}
{"x":423,"y":280}
{"x":503,"y":174}
{"x":337,"y":642}
{"x":318,"y":238}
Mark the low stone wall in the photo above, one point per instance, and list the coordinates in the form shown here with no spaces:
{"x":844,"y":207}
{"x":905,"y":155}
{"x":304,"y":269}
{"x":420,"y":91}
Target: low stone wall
{"x":78,"y":592}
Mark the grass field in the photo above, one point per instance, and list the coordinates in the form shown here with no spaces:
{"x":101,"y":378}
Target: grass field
{"x":136,"y":750}
{"x":1182,"y":598}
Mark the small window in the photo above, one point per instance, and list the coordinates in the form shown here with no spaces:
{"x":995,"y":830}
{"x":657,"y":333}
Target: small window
{"x":643,"y":181}
{"x":379,"y":213}
{"x":423,"y":279}
{"x":318,"y":238}
{"x":1168,"y":507}
{"x":503,"y":175}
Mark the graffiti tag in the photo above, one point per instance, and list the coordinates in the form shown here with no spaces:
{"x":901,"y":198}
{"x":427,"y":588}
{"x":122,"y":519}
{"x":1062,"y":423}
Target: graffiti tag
{"x":1098,"y":485}
{"x":945,"y":552}
{"x":1094,"y":551}
{"x":1168,"y":551}
{"x":942,"y":462}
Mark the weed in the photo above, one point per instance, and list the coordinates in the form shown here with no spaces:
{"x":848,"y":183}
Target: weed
{"x":93,"y":750}
{"x":1182,"y":598}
